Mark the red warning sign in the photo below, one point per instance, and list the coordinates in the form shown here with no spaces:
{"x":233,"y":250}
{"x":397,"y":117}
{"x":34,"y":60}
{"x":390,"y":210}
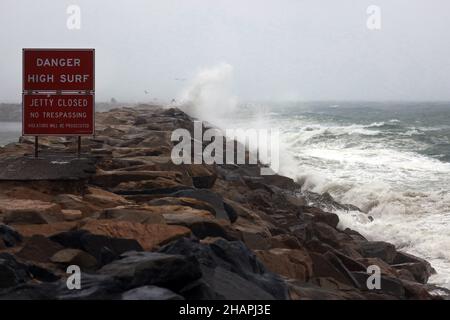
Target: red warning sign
{"x":58,"y":69}
{"x":58,"y":114}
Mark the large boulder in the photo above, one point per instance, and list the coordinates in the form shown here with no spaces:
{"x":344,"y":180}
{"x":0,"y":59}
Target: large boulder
{"x":104,"y":199}
{"x":111,"y":179}
{"x":226,"y":266}
{"x":180,"y":201}
{"x":104,"y":248}
{"x":77,"y":257}
{"x":21,"y":211}
{"x":378,"y":249}
{"x":39,"y":249}
{"x":291,"y":263}
{"x":388,"y":285}
{"x":222,"y":210}
{"x":9,"y":237}
{"x":201,"y":224}
{"x":135,"y":269}
{"x":12,"y":272}
{"x":322,"y":267}
{"x":419,"y":268}
{"x":46,"y":230}
{"x":149,"y":236}
{"x":75,"y":202}
{"x":201,"y":176}
{"x":140,"y":214}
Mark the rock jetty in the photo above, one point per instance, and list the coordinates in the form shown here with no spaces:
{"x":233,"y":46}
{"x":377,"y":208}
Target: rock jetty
{"x":140,"y":227}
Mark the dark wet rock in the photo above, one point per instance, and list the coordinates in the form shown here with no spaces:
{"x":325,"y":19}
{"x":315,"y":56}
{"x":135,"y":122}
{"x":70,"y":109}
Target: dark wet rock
{"x":29,"y":291}
{"x":318,"y":215}
{"x":96,"y":245}
{"x":12,"y":272}
{"x":150,"y":293}
{"x":201,"y":227}
{"x":180,"y":201}
{"x":419,"y":271}
{"x":201,"y":176}
{"x":217,"y":257}
{"x":222,"y":210}
{"x":221,"y":284}
{"x":420,"y":268}
{"x":93,"y":287}
{"x":38,"y":248}
{"x":322,"y":267}
{"x":9,"y":236}
{"x":140,"y":215}
{"x":291,"y":263}
{"x":326,"y":202}
{"x":310,"y":291}
{"x":389,"y":285}
{"x":378,"y":249}
{"x":329,"y":235}
{"x":285,"y":241}
{"x":134,"y":269}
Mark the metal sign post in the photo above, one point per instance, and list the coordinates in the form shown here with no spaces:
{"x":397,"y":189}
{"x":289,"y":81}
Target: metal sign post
{"x":36,"y":145}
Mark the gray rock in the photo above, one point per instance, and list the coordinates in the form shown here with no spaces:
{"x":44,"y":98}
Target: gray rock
{"x":150,"y":293}
{"x":233,"y":257}
{"x":12,"y":272}
{"x":135,"y":269}
{"x":9,"y":236}
{"x":378,"y":249}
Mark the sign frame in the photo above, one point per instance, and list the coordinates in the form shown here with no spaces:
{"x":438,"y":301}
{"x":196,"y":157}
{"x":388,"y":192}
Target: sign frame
{"x":57,"y":49}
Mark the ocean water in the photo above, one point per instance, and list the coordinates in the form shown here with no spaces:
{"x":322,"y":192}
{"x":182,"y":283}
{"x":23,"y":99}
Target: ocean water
{"x":392,"y":160}
{"x":9,"y":132}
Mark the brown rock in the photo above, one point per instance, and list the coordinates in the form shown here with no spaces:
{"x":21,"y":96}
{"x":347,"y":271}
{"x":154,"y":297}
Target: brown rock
{"x":149,"y":236}
{"x":256,"y":237}
{"x":46,"y":230}
{"x":111,"y":179}
{"x":20,"y":211}
{"x":103,"y":198}
{"x":330,"y":235}
{"x":324,"y":268}
{"x":285,"y":241}
{"x":291,"y":263}
{"x":141,"y":214}
{"x":157,"y":183}
{"x":74,"y":257}
{"x":319,"y":215}
{"x":201,"y":176}
{"x":74,"y":202}
{"x":417,"y":269}
{"x":384,"y":267}
{"x":378,"y":249}
{"x":38,"y":248}
{"x":415,"y":291}
{"x":202,"y":223}
{"x":72,"y":215}
{"x":181,"y":201}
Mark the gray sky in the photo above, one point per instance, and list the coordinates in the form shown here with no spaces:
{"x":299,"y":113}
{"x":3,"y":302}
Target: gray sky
{"x":279,"y":49}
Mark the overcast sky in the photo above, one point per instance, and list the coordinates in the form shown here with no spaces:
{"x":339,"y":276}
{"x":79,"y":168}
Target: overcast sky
{"x":279,"y":49}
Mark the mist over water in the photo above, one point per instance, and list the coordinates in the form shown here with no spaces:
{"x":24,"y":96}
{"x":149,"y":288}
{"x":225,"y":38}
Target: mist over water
{"x":9,"y":132}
